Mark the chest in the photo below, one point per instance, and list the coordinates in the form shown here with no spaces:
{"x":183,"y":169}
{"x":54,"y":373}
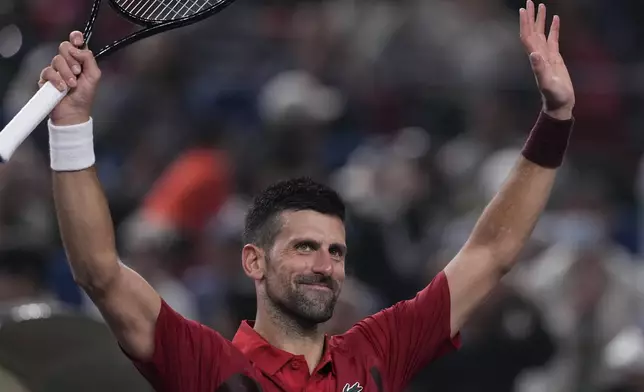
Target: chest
{"x":295,"y":379}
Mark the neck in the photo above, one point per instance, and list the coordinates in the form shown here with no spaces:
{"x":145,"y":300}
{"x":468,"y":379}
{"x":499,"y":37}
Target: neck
{"x":287,"y":334}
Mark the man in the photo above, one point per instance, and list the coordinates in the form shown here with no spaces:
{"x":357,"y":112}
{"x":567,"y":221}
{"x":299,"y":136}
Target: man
{"x":295,"y":253}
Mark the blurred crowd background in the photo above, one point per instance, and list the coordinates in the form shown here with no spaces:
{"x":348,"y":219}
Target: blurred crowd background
{"x":414,"y":110}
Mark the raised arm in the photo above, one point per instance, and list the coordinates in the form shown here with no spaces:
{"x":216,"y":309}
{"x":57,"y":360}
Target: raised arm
{"x":128,"y":304}
{"x":508,"y":221}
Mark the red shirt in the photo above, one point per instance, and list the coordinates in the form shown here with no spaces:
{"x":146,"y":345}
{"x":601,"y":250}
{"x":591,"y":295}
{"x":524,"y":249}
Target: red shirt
{"x":379,"y":354}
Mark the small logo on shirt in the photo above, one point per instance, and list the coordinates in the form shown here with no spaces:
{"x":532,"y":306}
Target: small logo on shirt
{"x":356,"y":387}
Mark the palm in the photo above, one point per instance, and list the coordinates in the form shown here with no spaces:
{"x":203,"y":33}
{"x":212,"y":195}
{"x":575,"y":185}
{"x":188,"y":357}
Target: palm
{"x":549,"y":68}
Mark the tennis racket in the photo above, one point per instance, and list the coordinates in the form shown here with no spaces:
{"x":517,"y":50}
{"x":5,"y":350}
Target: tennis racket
{"x":155,"y":16}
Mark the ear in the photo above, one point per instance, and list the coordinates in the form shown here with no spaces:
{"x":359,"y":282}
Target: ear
{"x":253,"y":262}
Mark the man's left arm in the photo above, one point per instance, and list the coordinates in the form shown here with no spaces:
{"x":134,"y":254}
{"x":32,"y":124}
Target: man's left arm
{"x":508,"y":221}
{"x":410,"y":334}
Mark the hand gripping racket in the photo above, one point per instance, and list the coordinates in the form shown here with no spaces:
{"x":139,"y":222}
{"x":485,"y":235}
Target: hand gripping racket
{"x":155,"y":16}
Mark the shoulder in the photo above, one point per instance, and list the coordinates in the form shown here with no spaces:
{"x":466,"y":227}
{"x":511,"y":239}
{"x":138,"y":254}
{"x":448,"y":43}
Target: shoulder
{"x":356,"y":358}
{"x":352,"y":344}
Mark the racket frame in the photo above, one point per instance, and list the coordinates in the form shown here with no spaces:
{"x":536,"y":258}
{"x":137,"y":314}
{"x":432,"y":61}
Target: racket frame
{"x":47,"y":97}
{"x":150,"y":28}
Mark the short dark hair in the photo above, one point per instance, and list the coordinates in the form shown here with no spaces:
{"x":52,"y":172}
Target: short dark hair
{"x":298,"y":194}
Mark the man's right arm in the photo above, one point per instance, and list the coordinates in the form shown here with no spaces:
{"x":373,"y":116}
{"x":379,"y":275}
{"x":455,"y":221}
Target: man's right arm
{"x":173,"y":353}
{"x":128,"y":303}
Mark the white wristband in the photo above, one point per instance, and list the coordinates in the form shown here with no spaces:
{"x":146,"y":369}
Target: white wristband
{"x":71,"y":147}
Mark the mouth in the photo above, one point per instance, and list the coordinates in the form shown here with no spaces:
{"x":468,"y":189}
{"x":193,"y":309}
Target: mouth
{"x":317,"y":286}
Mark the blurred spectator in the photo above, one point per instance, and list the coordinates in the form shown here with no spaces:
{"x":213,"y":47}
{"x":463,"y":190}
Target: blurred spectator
{"x":25,"y":208}
{"x":506,"y":337}
{"x":23,"y":276}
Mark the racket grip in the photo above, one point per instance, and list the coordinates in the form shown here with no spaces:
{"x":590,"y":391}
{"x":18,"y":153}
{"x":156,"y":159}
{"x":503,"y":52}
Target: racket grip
{"x":28,"y":118}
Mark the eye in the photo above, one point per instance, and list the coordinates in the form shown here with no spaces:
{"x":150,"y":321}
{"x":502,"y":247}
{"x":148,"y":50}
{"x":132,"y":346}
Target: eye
{"x":305,"y":246}
{"x":336,"y":251}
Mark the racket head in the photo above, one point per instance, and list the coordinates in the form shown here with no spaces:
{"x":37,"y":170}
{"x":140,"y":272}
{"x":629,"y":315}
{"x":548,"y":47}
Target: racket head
{"x":154,"y":12}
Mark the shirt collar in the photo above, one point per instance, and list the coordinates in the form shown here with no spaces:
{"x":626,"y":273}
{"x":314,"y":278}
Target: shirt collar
{"x":268,"y":357}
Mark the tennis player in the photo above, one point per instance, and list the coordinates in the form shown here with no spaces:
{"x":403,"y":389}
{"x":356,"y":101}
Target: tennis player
{"x":295,"y":253}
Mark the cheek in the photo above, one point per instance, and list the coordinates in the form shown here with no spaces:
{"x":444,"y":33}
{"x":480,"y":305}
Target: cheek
{"x":294,"y":266}
{"x":338,"y":272}
{"x":282,"y":274}
{"x":277,"y":283}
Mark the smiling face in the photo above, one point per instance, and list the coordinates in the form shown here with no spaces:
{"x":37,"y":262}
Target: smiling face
{"x":302,"y":273}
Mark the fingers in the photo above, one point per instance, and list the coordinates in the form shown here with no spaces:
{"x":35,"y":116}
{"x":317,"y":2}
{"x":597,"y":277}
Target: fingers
{"x":71,"y":63}
{"x":524,"y":27}
{"x":76,"y":38}
{"x":64,"y":68}
{"x":84,"y":56}
{"x":533,"y":29}
{"x":65,"y":50}
{"x":49,"y":74}
{"x":75,"y":41}
{"x":90,"y":68}
{"x":529,"y":6}
{"x":553,"y":36}
{"x":540,"y":25}
{"x":60,"y":65}
{"x":525,"y":30}
{"x":531,"y":23}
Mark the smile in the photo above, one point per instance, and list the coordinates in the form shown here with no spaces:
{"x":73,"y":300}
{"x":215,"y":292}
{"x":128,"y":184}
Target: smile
{"x":317,"y":286}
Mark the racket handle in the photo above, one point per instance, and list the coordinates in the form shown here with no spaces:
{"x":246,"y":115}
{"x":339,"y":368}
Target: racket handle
{"x":28,"y":118}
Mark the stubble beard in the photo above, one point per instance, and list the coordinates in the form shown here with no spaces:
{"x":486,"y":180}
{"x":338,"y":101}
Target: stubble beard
{"x":305,"y":307}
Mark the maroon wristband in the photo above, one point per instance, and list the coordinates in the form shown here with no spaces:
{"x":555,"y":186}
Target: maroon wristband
{"x":548,"y":141}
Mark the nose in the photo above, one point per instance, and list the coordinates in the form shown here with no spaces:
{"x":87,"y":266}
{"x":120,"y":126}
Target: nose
{"x":322,"y":263}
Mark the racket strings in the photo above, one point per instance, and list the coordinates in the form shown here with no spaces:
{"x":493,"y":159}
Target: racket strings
{"x":164,"y":10}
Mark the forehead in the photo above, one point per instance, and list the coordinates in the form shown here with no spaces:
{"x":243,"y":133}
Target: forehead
{"x":312,"y":225}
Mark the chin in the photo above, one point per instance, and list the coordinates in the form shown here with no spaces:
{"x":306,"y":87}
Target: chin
{"x":314,"y":319}
{"x":317,"y":316}
{"x":310,"y":314}
{"x":307,"y":308}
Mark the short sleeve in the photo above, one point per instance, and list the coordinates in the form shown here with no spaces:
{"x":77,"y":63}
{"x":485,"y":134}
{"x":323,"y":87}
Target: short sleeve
{"x":409,"y":335}
{"x":188,"y":356}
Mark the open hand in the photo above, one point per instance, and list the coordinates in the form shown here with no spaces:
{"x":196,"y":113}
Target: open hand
{"x":548,"y":66}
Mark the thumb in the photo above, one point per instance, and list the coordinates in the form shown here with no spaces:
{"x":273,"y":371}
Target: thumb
{"x":537,"y":62}
{"x":539,"y":67}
